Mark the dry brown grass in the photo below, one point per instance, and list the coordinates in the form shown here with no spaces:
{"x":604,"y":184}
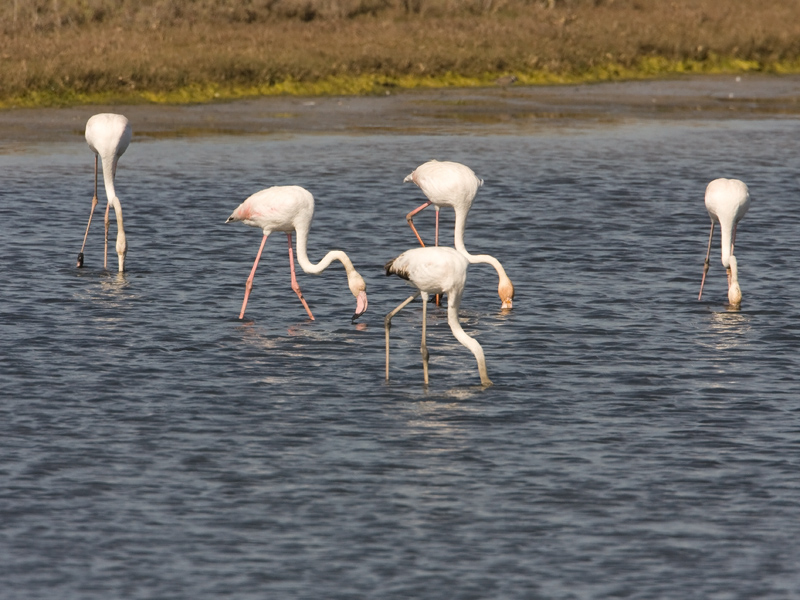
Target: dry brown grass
{"x":80,"y":50}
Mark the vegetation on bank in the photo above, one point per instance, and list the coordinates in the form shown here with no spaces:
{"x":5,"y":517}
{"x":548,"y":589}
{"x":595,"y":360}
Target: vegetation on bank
{"x":58,"y":52}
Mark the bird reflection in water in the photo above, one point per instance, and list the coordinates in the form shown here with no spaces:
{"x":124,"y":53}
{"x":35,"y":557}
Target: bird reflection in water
{"x":729,"y":328}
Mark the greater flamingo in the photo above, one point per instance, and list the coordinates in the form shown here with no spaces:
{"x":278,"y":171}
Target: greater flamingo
{"x":448,"y":183}
{"x":288,"y":209}
{"x":108,"y":136}
{"x":435,"y":271}
{"x":727,"y":201}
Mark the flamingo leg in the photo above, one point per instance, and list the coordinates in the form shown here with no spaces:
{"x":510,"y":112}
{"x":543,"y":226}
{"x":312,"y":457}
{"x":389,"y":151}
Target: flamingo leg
{"x":249,"y":284}
{"x":91,"y":214}
{"x":410,"y":217}
{"x":105,"y":239}
{"x":706,"y":264}
{"x":423,"y":347}
{"x":387,"y":323}
{"x":295,"y":285}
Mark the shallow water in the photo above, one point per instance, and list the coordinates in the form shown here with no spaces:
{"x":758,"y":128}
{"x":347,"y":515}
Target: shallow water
{"x":637,"y":443}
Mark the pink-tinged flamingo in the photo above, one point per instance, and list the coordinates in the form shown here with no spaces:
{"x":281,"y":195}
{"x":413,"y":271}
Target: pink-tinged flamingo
{"x":727,"y":201}
{"x":108,"y":136}
{"x":435,"y":271}
{"x":288,"y":209}
{"x":453,"y":184}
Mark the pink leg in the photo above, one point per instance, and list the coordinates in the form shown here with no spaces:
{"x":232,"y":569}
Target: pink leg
{"x":295,"y":285}
{"x":410,"y":216}
{"x":249,"y":285}
{"x":706,"y":263}
{"x":91,"y":214}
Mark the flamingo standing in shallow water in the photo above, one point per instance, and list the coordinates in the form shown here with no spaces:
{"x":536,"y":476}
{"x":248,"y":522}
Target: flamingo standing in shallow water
{"x":727,"y":201}
{"x":288,"y":209}
{"x":108,"y":135}
{"x":435,"y":271}
{"x":453,"y":184}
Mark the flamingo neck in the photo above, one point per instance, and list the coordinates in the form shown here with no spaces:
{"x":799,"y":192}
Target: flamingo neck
{"x":316,"y":269}
{"x":734,"y":291}
{"x":109,"y":172}
{"x":726,"y":231}
{"x":354,"y":280}
{"x":453,"y":303}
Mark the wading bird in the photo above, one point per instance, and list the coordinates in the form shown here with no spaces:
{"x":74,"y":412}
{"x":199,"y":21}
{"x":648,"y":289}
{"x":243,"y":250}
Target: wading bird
{"x":453,"y":184}
{"x":435,"y":271}
{"x":288,"y":209}
{"x":727,"y":201}
{"x":108,"y":136}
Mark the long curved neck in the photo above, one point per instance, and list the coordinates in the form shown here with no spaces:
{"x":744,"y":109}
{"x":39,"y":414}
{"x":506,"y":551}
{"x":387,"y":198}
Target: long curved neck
{"x":726,"y":230}
{"x":458,"y":240}
{"x":316,"y":269}
{"x":109,"y":172}
{"x":458,"y":234}
{"x":453,"y":303}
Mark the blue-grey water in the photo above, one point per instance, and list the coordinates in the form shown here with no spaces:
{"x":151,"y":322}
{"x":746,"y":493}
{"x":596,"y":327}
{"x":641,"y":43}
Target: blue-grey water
{"x":636,"y":443}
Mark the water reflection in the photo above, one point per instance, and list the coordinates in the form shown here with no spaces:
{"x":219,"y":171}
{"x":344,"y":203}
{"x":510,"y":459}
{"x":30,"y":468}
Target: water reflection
{"x":728,"y":329}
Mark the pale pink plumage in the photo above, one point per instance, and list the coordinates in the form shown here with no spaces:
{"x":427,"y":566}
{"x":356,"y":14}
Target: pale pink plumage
{"x":290,"y":209}
{"x":435,"y":271}
{"x":452,"y":184}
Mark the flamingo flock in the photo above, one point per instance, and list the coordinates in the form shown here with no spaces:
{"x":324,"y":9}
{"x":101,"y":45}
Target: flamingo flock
{"x":430,"y":270}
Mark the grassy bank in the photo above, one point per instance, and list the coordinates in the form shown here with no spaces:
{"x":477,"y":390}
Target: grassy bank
{"x":80,"y":51}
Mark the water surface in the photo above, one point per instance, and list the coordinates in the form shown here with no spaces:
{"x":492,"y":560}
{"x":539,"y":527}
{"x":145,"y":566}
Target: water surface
{"x":637,"y":443}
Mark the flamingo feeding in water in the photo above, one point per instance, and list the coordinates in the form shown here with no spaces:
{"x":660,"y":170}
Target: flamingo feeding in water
{"x":288,"y":209}
{"x":727,"y":201}
{"x":108,"y":135}
{"x":453,"y":184}
{"x":435,"y":271}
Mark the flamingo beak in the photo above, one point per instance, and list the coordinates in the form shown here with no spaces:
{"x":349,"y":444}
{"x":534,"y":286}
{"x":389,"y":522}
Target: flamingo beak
{"x":507,"y":303}
{"x":361,"y":305}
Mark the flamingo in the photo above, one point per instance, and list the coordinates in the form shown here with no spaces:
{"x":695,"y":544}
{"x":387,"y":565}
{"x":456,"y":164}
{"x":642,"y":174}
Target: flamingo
{"x":288,"y":209}
{"x":453,"y":184}
{"x":108,"y":136}
{"x":435,"y":271}
{"x":727,"y":201}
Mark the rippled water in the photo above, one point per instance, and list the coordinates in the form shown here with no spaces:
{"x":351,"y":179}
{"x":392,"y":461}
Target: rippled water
{"x":636,"y":443}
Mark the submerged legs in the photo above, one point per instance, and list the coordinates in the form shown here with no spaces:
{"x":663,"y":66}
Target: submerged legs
{"x":706,"y":264}
{"x":387,"y":323}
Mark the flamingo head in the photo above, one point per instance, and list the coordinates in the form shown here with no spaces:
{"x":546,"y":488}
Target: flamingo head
{"x":734,"y":291}
{"x":506,"y":291}
{"x":359,"y":289}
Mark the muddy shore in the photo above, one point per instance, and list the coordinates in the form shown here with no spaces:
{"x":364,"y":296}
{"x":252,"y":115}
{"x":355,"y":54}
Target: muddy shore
{"x":499,"y":110}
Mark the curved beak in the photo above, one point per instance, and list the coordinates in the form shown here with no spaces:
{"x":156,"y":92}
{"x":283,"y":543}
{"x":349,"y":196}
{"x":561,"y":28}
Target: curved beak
{"x":507,"y":303}
{"x":361,"y":305}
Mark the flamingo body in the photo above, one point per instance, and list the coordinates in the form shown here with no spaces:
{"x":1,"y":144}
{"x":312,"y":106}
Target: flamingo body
{"x":291,"y":209}
{"x":452,"y":184}
{"x":446,"y":183}
{"x":108,"y":136}
{"x":435,"y":271}
{"x":727,"y":202}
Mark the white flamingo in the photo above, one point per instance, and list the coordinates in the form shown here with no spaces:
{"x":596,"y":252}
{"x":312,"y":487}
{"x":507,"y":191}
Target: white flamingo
{"x":288,"y":209}
{"x":727,"y":201}
{"x":108,"y":135}
{"x":435,"y":271}
{"x":453,"y":184}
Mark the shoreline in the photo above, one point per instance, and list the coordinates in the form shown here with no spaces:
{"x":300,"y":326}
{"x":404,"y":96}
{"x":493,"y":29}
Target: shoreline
{"x":487,"y":110}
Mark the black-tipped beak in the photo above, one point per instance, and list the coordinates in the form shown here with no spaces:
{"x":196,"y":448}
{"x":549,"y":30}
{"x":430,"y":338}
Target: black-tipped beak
{"x":80,"y":259}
